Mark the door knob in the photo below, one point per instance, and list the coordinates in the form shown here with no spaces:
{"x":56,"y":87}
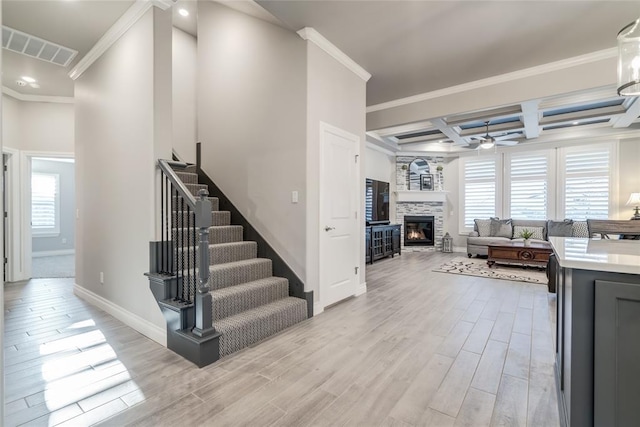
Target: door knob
{"x":327,"y":228}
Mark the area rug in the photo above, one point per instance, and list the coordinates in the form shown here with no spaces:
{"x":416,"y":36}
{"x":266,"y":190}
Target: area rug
{"x":478,"y":267}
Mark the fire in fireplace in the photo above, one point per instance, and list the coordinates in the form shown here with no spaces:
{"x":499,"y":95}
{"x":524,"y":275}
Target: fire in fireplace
{"x":418,"y":231}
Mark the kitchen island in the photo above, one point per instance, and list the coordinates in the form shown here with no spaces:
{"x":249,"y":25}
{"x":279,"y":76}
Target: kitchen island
{"x":597,"y":331}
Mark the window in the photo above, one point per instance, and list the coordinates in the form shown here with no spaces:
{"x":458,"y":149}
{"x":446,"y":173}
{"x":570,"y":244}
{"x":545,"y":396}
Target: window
{"x":571,"y":182}
{"x":587,"y":182}
{"x":528,"y":186}
{"x":45,"y":203}
{"x":479,"y":196}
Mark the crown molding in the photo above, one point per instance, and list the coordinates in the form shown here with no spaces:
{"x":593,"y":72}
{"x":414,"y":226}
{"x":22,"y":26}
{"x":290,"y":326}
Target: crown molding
{"x":117,"y":30}
{"x":375,"y":147}
{"x":503,"y":78}
{"x":37,"y":98}
{"x":163,"y":4}
{"x":310,"y":34}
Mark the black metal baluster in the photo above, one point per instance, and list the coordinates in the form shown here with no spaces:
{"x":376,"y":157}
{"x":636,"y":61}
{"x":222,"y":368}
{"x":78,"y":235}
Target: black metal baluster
{"x":162,"y":219}
{"x":182,"y":244}
{"x":188,"y":255}
{"x":195,"y":247}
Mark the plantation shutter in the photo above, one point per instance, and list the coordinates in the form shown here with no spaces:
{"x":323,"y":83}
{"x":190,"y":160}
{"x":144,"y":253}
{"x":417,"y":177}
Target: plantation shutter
{"x":528,"y":181}
{"x":479,"y":189}
{"x":586,"y":192}
{"x":44,"y":193}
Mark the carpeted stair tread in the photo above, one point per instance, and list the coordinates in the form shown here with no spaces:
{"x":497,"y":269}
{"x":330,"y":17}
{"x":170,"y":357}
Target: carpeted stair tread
{"x":225,"y":234}
{"x":235,"y":273}
{"x":217,"y":234}
{"x":224,"y":253}
{"x":194,"y":188}
{"x":215,"y":203}
{"x":187,"y":177}
{"x":251,"y":326}
{"x":218,"y":218}
{"x":230,"y":252}
{"x":246,"y":296}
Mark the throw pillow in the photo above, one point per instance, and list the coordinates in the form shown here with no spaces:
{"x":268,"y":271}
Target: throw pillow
{"x":560,"y":228}
{"x":501,"y":228}
{"x":580,"y":229}
{"x":538,"y":232}
{"x":484,"y":227}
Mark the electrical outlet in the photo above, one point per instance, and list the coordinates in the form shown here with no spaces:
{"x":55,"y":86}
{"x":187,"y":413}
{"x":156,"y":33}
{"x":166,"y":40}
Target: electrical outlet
{"x":64,"y":241}
{"x":102,"y":277}
{"x":294,"y":197}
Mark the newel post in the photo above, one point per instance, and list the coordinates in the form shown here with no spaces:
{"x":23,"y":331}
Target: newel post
{"x":203,"y":301}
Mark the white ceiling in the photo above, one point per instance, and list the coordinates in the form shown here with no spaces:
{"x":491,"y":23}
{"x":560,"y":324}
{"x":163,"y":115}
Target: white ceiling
{"x":413,"y":47}
{"x":409,"y":47}
{"x":76,"y":24}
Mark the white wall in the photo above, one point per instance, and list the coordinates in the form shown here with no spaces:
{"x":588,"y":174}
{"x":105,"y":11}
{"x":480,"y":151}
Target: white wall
{"x":184,"y":77}
{"x":38,"y":126}
{"x":336,"y":96}
{"x":11,"y":122}
{"x":629,"y":175}
{"x":121,"y":128}
{"x":251,"y":122}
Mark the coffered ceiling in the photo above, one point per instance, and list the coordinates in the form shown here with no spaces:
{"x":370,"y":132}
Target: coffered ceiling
{"x":599,"y":112}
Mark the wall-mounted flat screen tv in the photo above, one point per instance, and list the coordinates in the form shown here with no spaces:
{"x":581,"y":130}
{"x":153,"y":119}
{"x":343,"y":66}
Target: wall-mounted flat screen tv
{"x":377,"y":202}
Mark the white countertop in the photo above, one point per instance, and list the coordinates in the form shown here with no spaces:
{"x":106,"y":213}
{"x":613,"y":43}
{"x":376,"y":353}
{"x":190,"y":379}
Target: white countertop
{"x":616,"y":256}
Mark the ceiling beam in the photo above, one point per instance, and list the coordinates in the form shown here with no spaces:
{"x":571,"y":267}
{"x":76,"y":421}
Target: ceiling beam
{"x":631,"y":115}
{"x":484,"y":115}
{"x":531,"y":118}
{"x":493,"y":129}
{"x":443,"y":127}
{"x":583,"y":114}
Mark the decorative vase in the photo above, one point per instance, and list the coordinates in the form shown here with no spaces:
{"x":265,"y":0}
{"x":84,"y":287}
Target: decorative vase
{"x":527,"y":242}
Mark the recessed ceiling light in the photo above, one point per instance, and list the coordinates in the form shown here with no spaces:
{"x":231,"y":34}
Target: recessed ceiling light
{"x":575,"y":123}
{"x":183,"y":12}
{"x":35,"y":85}
{"x":28,"y":79}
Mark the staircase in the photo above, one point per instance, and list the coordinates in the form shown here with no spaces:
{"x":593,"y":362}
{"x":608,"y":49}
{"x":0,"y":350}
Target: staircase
{"x":248,"y":304}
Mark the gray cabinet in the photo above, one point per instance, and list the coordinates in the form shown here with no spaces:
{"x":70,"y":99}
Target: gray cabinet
{"x":597,"y":348}
{"x":617,"y":354}
{"x":382,"y":241}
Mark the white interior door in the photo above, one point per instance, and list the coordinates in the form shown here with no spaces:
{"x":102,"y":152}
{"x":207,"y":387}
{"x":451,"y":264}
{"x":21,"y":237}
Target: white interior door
{"x":338,"y":214}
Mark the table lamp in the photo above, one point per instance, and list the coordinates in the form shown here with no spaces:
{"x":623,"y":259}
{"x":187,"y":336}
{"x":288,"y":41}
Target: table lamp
{"x":634,"y":200}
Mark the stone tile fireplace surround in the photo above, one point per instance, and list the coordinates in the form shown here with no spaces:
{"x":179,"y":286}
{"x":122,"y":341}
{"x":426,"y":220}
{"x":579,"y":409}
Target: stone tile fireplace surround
{"x":419,"y":203}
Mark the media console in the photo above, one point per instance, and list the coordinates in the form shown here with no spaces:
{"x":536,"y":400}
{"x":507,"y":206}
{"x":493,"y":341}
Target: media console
{"x":382,"y":241}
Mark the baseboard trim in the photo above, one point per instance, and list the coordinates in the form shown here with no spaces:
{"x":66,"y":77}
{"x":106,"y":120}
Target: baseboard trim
{"x":317,"y":308}
{"x":361,"y":289}
{"x":141,"y":325}
{"x":53,"y":253}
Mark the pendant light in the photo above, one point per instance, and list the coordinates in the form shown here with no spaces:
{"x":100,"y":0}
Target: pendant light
{"x":629,"y":59}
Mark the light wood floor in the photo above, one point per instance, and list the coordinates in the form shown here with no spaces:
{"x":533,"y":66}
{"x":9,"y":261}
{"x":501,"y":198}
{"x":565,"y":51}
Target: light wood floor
{"x":420,"y":348}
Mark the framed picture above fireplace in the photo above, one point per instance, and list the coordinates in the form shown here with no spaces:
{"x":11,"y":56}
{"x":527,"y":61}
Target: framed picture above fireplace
{"x":426,"y":182}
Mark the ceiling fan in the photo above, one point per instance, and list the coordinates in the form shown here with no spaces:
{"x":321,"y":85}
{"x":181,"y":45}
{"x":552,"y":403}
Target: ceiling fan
{"x":489,"y":141}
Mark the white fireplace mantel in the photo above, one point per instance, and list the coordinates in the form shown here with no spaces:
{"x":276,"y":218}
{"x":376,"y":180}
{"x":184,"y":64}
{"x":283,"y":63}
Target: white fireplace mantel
{"x":421,"y":196}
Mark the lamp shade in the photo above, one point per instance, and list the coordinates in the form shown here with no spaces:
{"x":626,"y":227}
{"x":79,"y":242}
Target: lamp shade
{"x":634,"y":200}
{"x":629,"y":59}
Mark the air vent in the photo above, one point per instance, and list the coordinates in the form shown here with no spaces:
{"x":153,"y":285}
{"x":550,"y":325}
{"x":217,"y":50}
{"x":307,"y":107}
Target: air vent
{"x":35,"y":47}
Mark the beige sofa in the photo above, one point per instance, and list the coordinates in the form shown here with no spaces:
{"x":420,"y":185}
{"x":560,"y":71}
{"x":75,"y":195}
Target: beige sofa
{"x":481,"y":237}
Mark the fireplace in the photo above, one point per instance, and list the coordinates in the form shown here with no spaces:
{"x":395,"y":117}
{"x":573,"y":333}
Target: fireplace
{"x":418,"y":231}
